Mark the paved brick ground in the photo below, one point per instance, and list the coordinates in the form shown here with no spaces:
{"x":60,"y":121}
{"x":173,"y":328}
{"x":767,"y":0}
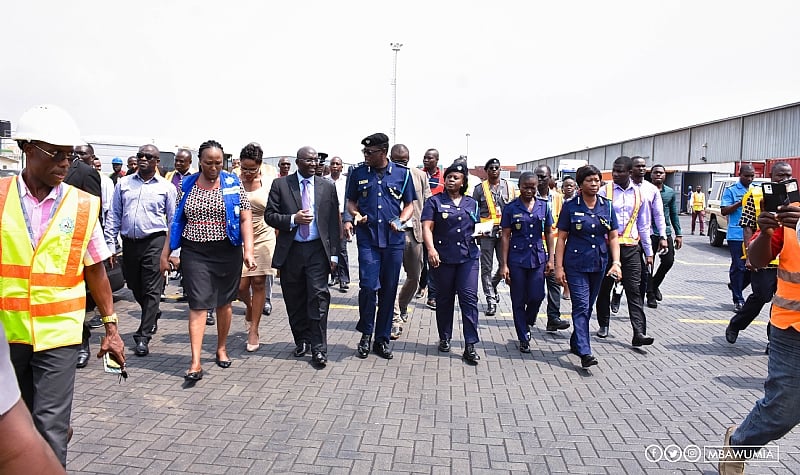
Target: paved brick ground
{"x":424,"y":412}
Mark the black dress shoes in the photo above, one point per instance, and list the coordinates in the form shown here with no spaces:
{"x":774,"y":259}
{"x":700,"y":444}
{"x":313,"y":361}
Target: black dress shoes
{"x":557,"y":324}
{"x":210,"y":318}
{"x":730,"y":335}
{"x":267,"y":310}
{"x":640,"y":339}
{"x":602,"y":332}
{"x":737,"y":306}
{"x":95,"y":322}
{"x":588,"y":360}
{"x":141,"y":348}
{"x":301,"y":349}
{"x":658,"y":295}
{"x":524,"y":347}
{"x":381,"y":348}
{"x":193,"y":376}
{"x":344,"y":287}
{"x":652,"y":301}
{"x":224,"y":364}
{"x":83,"y":355}
{"x":491,"y":309}
{"x":319,"y":358}
{"x":363,"y":346}
{"x":444,"y":346}
{"x":470,"y":355}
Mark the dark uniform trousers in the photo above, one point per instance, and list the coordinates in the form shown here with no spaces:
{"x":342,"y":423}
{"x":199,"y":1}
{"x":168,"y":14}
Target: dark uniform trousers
{"x":490,"y":247}
{"x":304,"y":283}
{"x":527,"y":294}
{"x":47,"y":383}
{"x":412,"y":263}
{"x":553,"y":297}
{"x":379,"y":274}
{"x":631,"y":259}
{"x":142,"y":269}
{"x":764,"y":283}
{"x":584,"y":288}
{"x":343,"y":269}
{"x":461,"y":279}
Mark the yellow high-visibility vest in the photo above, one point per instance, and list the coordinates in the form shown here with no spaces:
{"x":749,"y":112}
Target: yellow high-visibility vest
{"x":626,"y":238}
{"x":42,"y":291}
{"x":494,"y":215}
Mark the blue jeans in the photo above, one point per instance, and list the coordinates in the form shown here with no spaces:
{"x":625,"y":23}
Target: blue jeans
{"x":779,"y":410}
{"x":584,"y":288}
{"x":739,"y":275}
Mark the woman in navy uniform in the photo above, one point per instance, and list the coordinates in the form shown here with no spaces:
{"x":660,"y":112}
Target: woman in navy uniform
{"x":525,"y":223}
{"x":587,"y":234}
{"x":448,"y":222}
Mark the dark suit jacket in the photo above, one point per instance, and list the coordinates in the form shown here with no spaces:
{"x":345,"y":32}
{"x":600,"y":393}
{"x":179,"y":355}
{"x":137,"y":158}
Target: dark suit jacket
{"x":284,"y":201}
{"x":84,"y":177}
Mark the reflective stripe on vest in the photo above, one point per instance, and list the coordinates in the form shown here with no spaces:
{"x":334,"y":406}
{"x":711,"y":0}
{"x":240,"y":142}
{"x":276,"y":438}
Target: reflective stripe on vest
{"x":758,"y":196}
{"x":42,"y":291}
{"x":626,"y":239}
{"x":786,"y":302}
{"x":494,"y":216}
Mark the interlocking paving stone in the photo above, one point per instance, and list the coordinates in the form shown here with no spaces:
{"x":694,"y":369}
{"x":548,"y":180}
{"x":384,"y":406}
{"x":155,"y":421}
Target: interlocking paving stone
{"x":428,"y":412}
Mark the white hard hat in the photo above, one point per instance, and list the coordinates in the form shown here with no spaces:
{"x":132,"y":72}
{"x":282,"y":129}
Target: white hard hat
{"x":50,"y":124}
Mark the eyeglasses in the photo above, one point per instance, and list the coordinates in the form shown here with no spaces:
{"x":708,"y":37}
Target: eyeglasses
{"x":147,"y":156}
{"x":494,"y":168}
{"x":248,"y":170}
{"x":55,"y":156}
{"x":309,"y":160}
{"x":368,"y":153}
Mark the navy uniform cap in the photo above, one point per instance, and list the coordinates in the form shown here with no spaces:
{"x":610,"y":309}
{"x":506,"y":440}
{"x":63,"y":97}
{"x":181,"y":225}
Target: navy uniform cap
{"x":457,"y":166}
{"x":492,"y":161}
{"x":322,"y":156}
{"x":376,"y":140}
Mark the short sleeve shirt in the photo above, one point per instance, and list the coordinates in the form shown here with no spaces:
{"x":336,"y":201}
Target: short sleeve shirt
{"x":734,"y":194}
{"x":526,"y":248}
{"x":586,"y":249}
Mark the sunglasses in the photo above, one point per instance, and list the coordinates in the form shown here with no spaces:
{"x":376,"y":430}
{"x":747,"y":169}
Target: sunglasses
{"x":494,"y":168}
{"x":249,"y":170}
{"x":55,"y":156}
{"x":368,"y":153}
{"x":147,"y":156}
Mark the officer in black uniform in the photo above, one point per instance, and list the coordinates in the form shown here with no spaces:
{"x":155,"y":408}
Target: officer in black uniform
{"x":448,"y":223}
{"x":381,"y":194}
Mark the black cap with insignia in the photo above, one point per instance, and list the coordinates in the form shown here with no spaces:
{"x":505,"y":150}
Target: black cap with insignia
{"x":322,"y":156}
{"x":376,"y":140}
{"x":492,"y":161}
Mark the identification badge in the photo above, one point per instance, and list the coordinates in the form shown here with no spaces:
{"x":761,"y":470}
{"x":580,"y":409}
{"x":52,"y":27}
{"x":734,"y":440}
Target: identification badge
{"x":363,"y":182}
{"x":577,"y":213}
{"x":517,"y":216}
{"x":444,"y":215}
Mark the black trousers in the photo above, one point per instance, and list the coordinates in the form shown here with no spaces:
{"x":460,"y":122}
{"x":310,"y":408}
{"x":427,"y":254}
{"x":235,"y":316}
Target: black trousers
{"x":142,"y":260}
{"x":47,"y":381}
{"x":304,"y":282}
{"x":665,"y":263}
{"x":343,"y":269}
{"x":764,"y":283}
{"x":631,"y":259}
{"x":553,"y":297}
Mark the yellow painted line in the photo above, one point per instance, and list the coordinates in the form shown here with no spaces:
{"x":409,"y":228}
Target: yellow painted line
{"x":712,"y":264}
{"x":343,"y":307}
{"x":715,"y":322}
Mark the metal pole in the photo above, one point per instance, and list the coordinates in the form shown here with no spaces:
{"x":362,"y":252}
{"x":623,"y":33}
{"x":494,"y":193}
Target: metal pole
{"x":467,"y":154}
{"x":396,"y":48}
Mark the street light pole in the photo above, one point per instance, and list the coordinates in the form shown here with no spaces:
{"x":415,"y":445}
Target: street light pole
{"x":396,"y":48}
{"x":467,"y":154}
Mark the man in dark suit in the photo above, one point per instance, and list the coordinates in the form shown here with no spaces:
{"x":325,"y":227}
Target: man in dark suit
{"x":305,"y":209}
{"x":84,"y":176}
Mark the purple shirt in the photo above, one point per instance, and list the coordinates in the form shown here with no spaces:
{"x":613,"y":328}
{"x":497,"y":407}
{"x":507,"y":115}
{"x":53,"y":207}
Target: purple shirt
{"x":624,"y":199}
{"x":654,"y":209}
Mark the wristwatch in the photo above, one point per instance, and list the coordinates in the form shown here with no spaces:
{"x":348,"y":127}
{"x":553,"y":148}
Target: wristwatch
{"x":110,"y":318}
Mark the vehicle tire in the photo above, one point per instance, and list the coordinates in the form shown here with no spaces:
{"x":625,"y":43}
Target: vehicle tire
{"x":715,"y":236}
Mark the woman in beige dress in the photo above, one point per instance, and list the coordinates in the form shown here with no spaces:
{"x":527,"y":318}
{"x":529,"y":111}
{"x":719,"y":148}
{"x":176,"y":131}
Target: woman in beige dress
{"x":255,"y":285}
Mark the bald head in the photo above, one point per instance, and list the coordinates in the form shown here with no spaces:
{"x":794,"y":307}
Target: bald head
{"x":399,"y":154}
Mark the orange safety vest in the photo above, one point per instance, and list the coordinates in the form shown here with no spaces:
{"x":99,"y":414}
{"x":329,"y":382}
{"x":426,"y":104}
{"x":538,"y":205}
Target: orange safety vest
{"x":42,"y":291}
{"x":494,"y":215}
{"x":786,"y":302}
{"x":626,"y":239}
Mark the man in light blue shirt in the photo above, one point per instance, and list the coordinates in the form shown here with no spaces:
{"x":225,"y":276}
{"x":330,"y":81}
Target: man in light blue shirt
{"x":142,"y":209}
{"x":731,"y":206}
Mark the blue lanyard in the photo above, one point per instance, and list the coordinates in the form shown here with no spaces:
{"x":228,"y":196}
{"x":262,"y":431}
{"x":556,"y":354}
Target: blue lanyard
{"x":28,"y":223}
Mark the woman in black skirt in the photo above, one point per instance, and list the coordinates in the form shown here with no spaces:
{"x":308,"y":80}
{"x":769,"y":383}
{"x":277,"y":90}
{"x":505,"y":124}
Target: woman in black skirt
{"x":213,"y":227}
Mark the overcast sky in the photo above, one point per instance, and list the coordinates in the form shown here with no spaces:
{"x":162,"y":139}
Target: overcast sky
{"x":525,"y":79}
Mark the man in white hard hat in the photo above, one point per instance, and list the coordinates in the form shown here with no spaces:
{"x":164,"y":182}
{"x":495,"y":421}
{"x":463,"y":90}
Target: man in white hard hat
{"x":51,"y":241}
